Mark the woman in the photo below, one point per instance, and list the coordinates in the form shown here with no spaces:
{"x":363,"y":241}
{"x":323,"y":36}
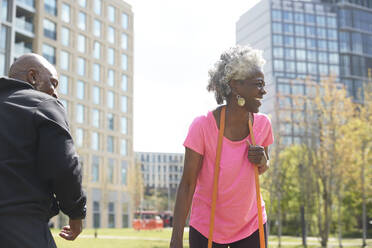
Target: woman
{"x":238,"y":80}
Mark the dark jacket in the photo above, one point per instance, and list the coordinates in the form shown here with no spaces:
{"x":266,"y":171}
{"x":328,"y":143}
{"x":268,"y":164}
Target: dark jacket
{"x":38,"y":164}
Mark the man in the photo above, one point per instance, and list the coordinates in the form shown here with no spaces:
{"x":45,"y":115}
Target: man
{"x":39,"y":169}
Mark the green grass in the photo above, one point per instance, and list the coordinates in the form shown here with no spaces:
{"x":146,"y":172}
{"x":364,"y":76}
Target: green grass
{"x":129,"y":238}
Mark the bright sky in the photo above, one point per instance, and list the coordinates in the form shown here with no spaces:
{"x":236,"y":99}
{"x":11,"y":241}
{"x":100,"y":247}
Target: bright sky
{"x":176,"y":42}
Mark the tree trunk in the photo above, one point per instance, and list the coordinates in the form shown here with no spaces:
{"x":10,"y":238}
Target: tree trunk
{"x":303,"y":226}
{"x":339,"y":219}
{"x":364,"y":215}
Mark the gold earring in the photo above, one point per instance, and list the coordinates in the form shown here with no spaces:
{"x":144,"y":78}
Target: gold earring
{"x":241,"y":100}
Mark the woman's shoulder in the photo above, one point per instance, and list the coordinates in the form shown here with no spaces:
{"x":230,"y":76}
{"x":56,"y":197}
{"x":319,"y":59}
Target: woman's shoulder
{"x":262,"y":118}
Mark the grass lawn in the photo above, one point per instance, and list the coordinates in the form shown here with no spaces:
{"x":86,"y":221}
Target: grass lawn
{"x":129,"y":238}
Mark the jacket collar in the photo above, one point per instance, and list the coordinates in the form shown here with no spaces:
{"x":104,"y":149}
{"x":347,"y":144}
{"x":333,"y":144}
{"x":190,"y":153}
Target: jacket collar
{"x":11,"y":83}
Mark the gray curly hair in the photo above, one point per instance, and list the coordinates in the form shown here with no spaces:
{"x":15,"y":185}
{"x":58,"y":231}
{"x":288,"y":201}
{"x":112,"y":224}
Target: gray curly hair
{"x":237,"y":63}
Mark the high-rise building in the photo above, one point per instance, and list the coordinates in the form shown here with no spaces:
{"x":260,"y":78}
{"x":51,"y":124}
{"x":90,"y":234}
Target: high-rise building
{"x":306,"y":39}
{"x":91,"y":45}
{"x":161,"y":171}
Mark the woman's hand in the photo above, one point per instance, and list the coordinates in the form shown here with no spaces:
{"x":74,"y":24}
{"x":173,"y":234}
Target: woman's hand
{"x":257,"y":155}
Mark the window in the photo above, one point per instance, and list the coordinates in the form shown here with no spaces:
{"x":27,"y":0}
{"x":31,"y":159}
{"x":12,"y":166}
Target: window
{"x":332,"y":34}
{"x":322,"y":45}
{"x":49,"y":53}
{"x":65,"y":15}
{"x":290,"y":66}
{"x":49,"y":29}
{"x":124,"y":104}
{"x":82,"y":21}
{"x":80,"y":113}
{"x":332,"y":46}
{"x":63,"y":84}
{"x":97,"y":28}
{"x":4,"y":4}
{"x":124,"y":61}
{"x":289,"y":53}
{"x":323,"y":69}
{"x":287,"y":16}
{"x":310,"y":31}
{"x":288,"y":41}
{"x":300,"y":54}
{"x":110,"y":170}
{"x":96,"y":50}
{"x":331,"y":22}
{"x":110,"y":143}
{"x":111,"y":34}
{"x":81,"y":66}
{"x":276,"y":15}
{"x":288,"y":28}
{"x":311,"y":56}
{"x":111,"y":13}
{"x":277,"y":27}
{"x":124,"y":169}
{"x":299,"y":17}
{"x":322,"y":57}
{"x":95,"y":118}
{"x":284,"y":89}
{"x":124,"y":20}
{"x":50,"y":7}
{"x":356,"y":42}
{"x":277,"y":40}
{"x":334,"y":69}
{"x":278,"y":52}
{"x":110,"y":99}
{"x":333,"y":58}
{"x":95,"y":168}
{"x":97,"y":6}
{"x":301,"y":67}
{"x":310,"y":18}
{"x":312,"y":68}
{"x":95,"y":141}
{"x":123,"y":125}
{"x":65,"y":36}
{"x":322,"y":33}
{"x":278,"y":65}
{"x":110,"y":121}
{"x":110,"y":77}
{"x":300,"y":30}
{"x":83,"y":3}
{"x":81,"y":43}
{"x":65,"y":103}
{"x":124,"y":41}
{"x":96,"y":215}
{"x":111,"y":56}
{"x":124,"y":82}
{"x":80,"y":89}
{"x":79,"y":137}
{"x":300,"y":42}
{"x":65,"y":60}
{"x":311,"y":43}
{"x":123,"y":147}
{"x":320,"y":20}
{"x":96,"y":95}
{"x":96,"y":72}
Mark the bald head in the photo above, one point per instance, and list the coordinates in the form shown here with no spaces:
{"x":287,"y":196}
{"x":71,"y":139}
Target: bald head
{"x":37,"y":71}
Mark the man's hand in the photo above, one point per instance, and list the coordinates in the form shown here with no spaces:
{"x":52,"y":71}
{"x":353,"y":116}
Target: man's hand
{"x":71,"y":231}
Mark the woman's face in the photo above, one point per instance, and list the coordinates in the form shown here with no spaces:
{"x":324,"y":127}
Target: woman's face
{"x":252,"y":89}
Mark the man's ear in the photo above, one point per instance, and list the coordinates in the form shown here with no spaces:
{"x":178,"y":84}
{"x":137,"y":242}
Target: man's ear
{"x":31,"y":76}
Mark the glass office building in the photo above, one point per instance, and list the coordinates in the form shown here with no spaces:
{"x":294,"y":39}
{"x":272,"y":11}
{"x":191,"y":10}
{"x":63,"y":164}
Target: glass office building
{"x":306,"y":39}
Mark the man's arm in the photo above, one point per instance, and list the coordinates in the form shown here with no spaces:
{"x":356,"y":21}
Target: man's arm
{"x":57,"y":162}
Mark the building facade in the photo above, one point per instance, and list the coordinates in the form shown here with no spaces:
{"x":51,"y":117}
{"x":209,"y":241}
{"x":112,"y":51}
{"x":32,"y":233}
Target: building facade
{"x":161,"y":171}
{"x":306,"y":40}
{"x":91,"y":45}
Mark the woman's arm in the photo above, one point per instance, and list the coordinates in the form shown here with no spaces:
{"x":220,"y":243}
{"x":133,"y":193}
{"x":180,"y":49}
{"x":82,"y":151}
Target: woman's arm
{"x":192,"y":165}
{"x":259,"y":156}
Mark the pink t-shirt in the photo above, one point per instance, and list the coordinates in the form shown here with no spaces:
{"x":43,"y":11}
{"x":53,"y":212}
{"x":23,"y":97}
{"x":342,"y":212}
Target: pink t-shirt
{"x":236,"y":209}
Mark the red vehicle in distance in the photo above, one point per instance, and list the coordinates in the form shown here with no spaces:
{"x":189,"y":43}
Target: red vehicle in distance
{"x":147,"y":220}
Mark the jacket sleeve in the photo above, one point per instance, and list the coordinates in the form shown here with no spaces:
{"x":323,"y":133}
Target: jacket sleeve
{"x":57,"y":162}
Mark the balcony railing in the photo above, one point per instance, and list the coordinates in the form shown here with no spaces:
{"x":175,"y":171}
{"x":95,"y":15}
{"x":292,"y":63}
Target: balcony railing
{"x":20,"y":49}
{"x":23,"y":24}
{"x":29,"y":3}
